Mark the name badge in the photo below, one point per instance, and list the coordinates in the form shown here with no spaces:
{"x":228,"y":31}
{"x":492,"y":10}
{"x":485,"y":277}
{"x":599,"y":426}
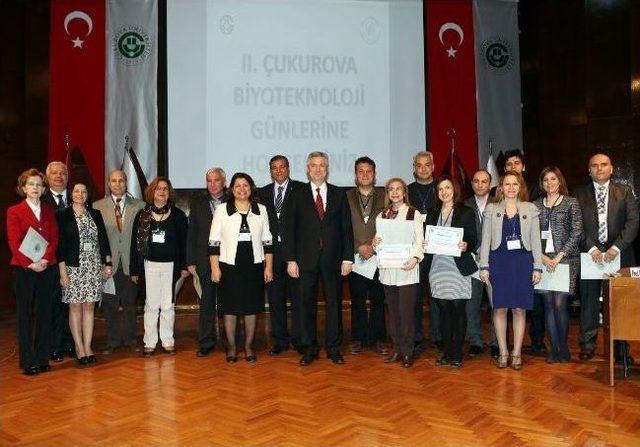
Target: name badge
{"x":87,"y":246}
{"x":544,"y":234}
{"x":244,"y":237}
{"x":514,"y":244}
{"x":157,"y":236}
{"x":366,"y":219}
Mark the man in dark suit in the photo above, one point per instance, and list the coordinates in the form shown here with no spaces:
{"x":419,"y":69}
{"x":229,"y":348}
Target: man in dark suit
{"x":481,"y":184}
{"x":422,"y":196}
{"x":118,"y":212}
{"x":318,"y":244}
{"x":276,"y":196}
{"x":201,"y":211}
{"x":58,"y":196}
{"x":610,"y":219}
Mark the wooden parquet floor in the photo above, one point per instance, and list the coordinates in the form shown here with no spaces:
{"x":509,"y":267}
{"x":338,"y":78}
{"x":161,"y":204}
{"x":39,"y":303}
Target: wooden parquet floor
{"x":184,"y":400}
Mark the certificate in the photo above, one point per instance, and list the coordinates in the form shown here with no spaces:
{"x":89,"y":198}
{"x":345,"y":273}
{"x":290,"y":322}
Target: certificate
{"x":109,"y":286}
{"x":393,"y":255}
{"x":365,"y":267}
{"x":556,"y":281}
{"x":443,"y":240}
{"x":594,"y":270}
{"x":33,"y":245}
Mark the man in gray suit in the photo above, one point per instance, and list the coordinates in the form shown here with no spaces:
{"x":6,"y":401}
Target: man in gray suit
{"x":118,"y":212}
{"x":481,"y":184}
{"x":610,"y":219}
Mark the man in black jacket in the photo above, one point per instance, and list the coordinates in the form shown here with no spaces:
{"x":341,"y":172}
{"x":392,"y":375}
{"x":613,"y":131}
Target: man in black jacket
{"x":59,"y":197}
{"x":201,"y":211}
{"x":318,"y":244}
{"x":610,"y":220}
{"x":276,"y":196}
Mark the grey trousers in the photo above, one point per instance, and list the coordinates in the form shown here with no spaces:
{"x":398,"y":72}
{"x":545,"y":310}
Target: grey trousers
{"x":121,"y":324}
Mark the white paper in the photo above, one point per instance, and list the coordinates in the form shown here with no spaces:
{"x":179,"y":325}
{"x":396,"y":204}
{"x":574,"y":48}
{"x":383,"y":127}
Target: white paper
{"x":197,"y":285}
{"x":592,"y":270}
{"x":556,"y":281}
{"x":178,"y":286}
{"x":443,"y":240}
{"x":393,"y":231}
{"x":109,"y":286}
{"x":393,"y":255}
{"x":365,"y":267}
{"x":33,"y":245}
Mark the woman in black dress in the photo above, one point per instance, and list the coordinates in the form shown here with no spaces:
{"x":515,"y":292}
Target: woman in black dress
{"x":241,"y":250}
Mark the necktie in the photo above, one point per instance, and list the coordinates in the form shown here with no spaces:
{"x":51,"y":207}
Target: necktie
{"x":278,"y":202}
{"x":118,"y":212}
{"x":602,"y":223}
{"x":319,"y":204}
{"x":60,"y":201}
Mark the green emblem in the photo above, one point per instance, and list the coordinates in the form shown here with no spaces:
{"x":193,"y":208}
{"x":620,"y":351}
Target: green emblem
{"x":131,"y":44}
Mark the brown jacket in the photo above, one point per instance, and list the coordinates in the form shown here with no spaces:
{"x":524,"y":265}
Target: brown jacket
{"x":363,"y":232}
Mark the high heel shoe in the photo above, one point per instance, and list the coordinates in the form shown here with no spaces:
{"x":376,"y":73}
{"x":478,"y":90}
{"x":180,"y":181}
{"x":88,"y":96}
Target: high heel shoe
{"x":502,"y":361}
{"x":231,"y":358}
{"x":516,"y":362}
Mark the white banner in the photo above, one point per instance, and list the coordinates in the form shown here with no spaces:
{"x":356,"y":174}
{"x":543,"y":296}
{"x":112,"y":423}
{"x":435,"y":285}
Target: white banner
{"x":131,"y":88}
{"x":495,"y":25}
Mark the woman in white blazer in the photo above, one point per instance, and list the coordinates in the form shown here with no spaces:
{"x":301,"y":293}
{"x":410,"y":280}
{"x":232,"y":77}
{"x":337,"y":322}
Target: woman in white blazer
{"x":241,"y":254}
{"x":511,"y":261}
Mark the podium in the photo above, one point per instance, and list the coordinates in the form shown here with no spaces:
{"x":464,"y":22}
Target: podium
{"x":621,"y":314}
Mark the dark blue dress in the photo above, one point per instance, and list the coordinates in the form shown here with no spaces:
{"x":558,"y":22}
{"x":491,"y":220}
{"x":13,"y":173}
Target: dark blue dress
{"x":510,"y":270}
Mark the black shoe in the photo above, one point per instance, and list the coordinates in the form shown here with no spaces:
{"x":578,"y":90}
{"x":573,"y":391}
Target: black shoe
{"x":495,"y":352}
{"x":456,"y":364}
{"x":44,"y":368}
{"x":307,"y":359}
{"x":56,"y":356}
{"x":443,"y":361}
{"x":355,"y":348}
{"x":538,"y":349}
{"x":91,"y":359}
{"x":31,"y":371}
{"x":148,"y":352}
{"x":203,"y":352}
{"x":417,"y":348}
{"x":82,"y":361}
{"x":276,"y":350}
{"x":251,"y":358}
{"x":439,"y":345}
{"x":407,"y":361}
{"x":336,"y":358}
{"x":564,"y":356}
{"x":475,"y":350}
{"x":551,"y":358}
{"x":393,"y":358}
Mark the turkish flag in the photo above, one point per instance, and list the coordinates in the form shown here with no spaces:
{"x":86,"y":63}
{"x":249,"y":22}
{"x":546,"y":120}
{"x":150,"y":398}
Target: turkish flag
{"x":77,"y":70}
{"x":452,"y":82}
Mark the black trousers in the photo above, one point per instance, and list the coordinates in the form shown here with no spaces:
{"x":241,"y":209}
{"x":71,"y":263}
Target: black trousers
{"x":277,"y":291}
{"x":536,"y":320}
{"x":453,"y":323}
{"x":434,"y":313}
{"x":329,"y":273}
{"x":34,"y":293}
{"x":401,"y":302}
{"x":61,"y":339}
{"x":367,"y":326}
{"x":121,"y":325}
{"x":208,"y":315}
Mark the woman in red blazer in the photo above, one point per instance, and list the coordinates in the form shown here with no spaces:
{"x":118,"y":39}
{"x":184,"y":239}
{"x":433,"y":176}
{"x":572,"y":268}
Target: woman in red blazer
{"x":34,"y":283}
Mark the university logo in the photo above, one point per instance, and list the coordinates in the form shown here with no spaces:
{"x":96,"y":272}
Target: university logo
{"x":132,"y":45}
{"x":370,"y":30}
{"x":498,"y":54}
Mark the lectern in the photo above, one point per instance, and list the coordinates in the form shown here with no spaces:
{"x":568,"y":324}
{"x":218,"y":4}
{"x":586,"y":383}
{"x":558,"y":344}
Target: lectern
{"x":621,"y":313}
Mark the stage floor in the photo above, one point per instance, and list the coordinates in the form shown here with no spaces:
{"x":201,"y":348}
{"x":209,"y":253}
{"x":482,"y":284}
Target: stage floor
{"x":183,"y":400}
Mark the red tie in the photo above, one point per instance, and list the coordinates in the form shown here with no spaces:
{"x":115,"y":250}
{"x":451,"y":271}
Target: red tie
{"x":319,"y":204}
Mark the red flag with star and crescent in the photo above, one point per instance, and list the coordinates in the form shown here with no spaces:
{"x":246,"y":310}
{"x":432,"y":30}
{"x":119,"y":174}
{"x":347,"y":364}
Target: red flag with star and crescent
{"x":452,"y":83}
{"x":77,"y":73}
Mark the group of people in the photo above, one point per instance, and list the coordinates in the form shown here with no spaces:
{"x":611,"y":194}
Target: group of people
{"x":288,"y":237}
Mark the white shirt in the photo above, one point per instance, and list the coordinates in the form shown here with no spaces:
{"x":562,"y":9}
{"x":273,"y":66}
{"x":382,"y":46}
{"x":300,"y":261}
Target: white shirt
{"x":323,"y":193}
{"x":64,"y":196}
{"x":35,"y":208}
{"x":275,"y":189}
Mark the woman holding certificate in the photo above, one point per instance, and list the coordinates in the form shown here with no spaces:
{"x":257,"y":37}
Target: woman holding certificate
{"x":560,"y":231}
{"x":85,"y":259}
{"x":511,"y":261}
{"x":450,"y":275}
{"x":400,"y":283}
{"x":32,"y":233}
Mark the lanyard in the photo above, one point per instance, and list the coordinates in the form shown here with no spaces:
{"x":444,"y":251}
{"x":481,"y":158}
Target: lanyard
{"x":444,"y":222}
{"x":548,"y":212}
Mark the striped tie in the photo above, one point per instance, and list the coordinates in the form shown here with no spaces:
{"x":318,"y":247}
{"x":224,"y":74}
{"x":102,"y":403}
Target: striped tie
{"x":602,"y":223}
{"x":278,"y":202}
{"x":319,"y":204}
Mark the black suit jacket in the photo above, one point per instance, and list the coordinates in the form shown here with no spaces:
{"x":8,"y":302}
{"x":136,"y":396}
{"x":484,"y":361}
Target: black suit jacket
{"x":69,"y":240}
{"x":622,"y":220}
{"x":47,"y":197}
{"x":462,"y":218}
{"x":266,"y":198}
{"x":310,"y":241}
{"x":200,"y":218}
{"x":471,"y":203}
